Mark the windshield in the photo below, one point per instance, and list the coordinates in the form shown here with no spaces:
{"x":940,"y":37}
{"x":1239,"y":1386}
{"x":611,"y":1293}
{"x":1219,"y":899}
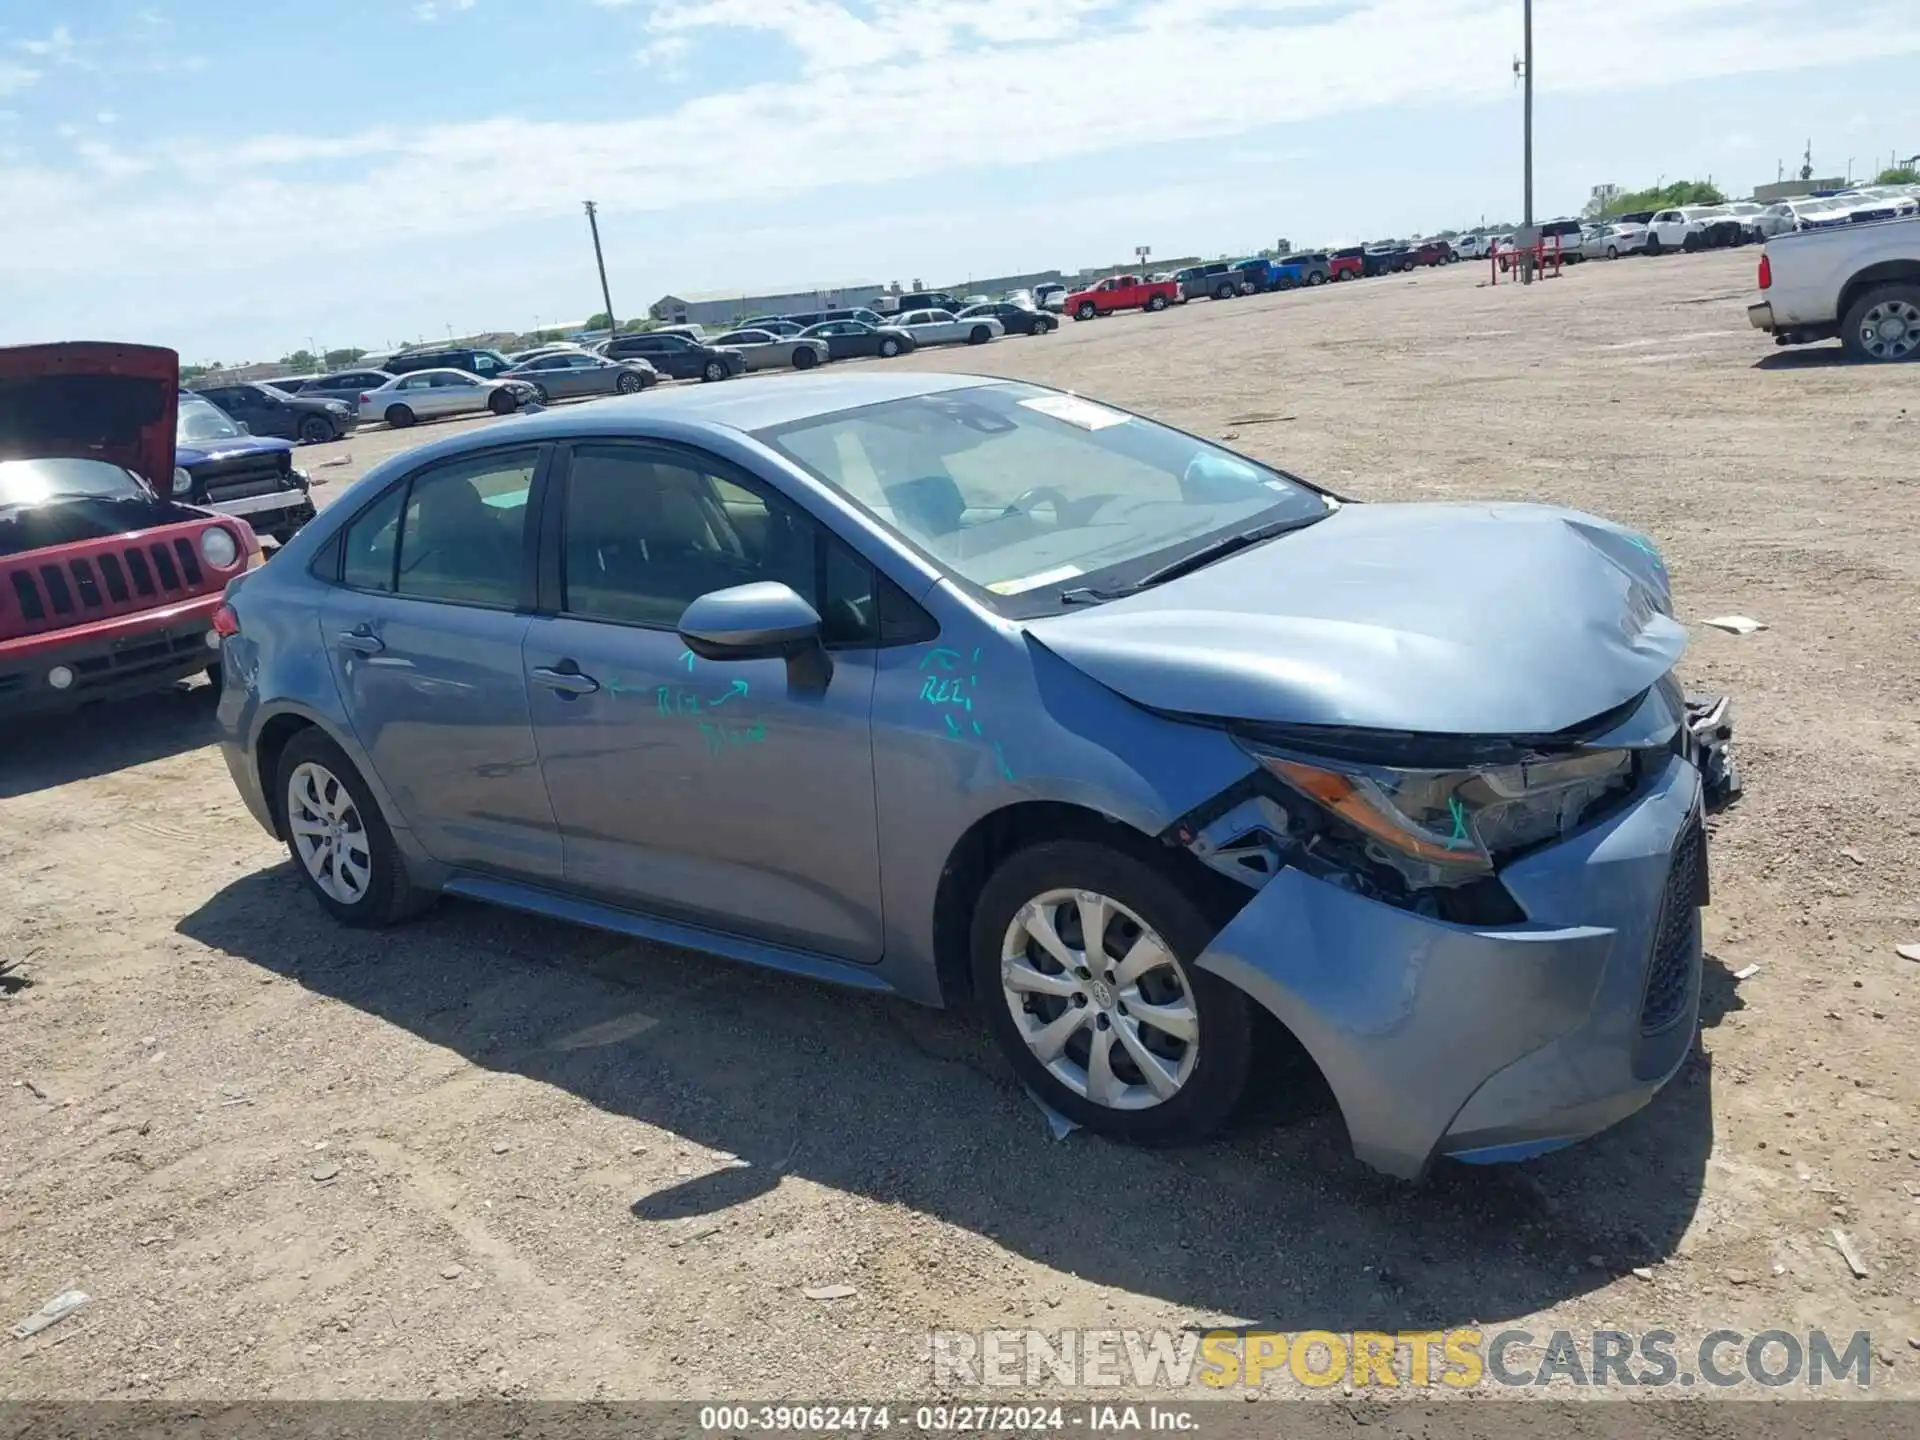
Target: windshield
{"x":1019,"y":490}
{"x":34,"y":482}
{"x":203,"y":420}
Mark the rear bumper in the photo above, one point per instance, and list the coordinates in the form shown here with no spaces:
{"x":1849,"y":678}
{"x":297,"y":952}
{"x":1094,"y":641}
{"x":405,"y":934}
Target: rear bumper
{"x":1760,"y":316}
{"x":1490,"y":1043}
{"x":109,"y":659}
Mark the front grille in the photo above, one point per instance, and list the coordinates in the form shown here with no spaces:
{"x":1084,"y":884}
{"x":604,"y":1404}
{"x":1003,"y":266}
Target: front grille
{"x":51,"y":594}
{"x":1675,"y":954}
{"x":241,"y":477}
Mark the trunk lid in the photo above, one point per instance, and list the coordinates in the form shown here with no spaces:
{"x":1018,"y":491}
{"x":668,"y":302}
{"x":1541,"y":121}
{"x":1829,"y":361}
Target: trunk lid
{"x":1486,"y":619}
{"x":90,"y":400}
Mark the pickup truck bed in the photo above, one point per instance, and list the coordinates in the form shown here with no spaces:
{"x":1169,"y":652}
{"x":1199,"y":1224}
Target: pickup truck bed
{"x":1860,"y":282}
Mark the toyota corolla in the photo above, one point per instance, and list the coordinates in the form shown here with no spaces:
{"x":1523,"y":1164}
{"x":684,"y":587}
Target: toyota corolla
{"x":966,"y":690}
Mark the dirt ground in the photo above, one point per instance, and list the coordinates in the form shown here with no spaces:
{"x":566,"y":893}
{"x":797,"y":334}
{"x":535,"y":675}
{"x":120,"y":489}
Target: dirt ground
{"x":485,"y":1154}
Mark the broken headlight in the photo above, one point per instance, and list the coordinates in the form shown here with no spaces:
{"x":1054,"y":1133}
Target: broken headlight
{"x":1447,"y":827}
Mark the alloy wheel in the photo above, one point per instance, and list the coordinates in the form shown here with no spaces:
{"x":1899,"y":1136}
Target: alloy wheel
{"x":328,"y":833}
{"x":1100,"y":999}
{"x":1890,"y":330}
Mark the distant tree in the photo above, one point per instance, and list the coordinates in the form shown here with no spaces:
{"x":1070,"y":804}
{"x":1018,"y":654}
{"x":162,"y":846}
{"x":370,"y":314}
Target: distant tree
{"x":301,"y":360}
{"x":1898,"y":175}
{"x":193,"y":372}
{"x":636,"y":325}
{"x":599,"y":321}
{"x":1659,"y":197}
{"x":336,"y":358}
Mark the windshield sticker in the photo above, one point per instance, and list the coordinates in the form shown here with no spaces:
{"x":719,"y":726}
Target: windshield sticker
{"x":1075,"y":411}
{"x":1024,"y":583}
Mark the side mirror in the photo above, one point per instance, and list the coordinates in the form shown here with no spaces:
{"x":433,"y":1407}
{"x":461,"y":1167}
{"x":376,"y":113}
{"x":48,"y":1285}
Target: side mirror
{"x":762,"y":621}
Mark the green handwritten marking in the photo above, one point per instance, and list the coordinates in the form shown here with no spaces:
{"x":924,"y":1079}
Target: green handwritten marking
{"x":953,"y":730}
{"x":737,"y":688}
{"x":976,"y":728}
{"x":946,"y":659}
{"x":1006,"y":770}
{"x":686,"y":658}
{"x":732,"y":737}
{"x":1459,"y":840}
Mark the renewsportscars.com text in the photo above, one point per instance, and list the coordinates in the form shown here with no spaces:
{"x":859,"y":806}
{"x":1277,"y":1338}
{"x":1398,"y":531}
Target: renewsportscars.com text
{"x":1457,"y":1359}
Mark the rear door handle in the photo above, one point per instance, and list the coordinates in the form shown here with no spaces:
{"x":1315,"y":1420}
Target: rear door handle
{"x":566,"y":678}
{"x":361,"y":638}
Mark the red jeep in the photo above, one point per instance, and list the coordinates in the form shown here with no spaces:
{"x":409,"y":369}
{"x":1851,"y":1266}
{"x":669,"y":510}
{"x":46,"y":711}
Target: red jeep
{"x":1122,"y":292}
{"x":107,"y":586}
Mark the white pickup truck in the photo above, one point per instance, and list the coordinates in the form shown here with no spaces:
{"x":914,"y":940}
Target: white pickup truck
{"x":1860,"y":282}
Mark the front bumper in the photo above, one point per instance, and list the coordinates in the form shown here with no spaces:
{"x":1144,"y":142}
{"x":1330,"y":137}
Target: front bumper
{"x":1494,"y":1043}
{"x":109,"y":659}
{"x":279,"y":513}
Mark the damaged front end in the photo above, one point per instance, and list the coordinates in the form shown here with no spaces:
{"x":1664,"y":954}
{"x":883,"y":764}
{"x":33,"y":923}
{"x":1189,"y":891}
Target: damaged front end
{"x":1490,"y":944}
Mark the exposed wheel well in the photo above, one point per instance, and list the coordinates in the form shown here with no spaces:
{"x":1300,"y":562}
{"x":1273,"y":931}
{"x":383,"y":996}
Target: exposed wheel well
{"x":994,"y":837}
{"x":274,"y":737}
{"x":1875,"y":275}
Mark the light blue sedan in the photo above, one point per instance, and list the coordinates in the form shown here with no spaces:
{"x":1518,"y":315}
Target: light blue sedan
{"x":972,"y":691}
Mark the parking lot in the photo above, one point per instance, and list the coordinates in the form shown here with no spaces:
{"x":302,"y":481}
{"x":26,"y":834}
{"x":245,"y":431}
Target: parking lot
{"x":486,"y":1154}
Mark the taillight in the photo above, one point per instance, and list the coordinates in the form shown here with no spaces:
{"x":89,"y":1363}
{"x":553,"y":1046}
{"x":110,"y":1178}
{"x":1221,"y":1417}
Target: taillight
{"x":365,"y":398}
{"x":1766,"y":272}
{"x":226,"y":624}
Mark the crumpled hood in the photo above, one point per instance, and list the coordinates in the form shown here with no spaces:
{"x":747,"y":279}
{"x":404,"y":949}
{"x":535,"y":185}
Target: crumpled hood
{"x":90,"y":400}
{"x":1482,"y":619}
{"x":196,"y":452}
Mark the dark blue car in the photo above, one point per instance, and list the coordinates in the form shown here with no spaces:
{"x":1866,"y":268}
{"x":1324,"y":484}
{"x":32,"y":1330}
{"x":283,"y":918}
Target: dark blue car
{"x":219,"y":466}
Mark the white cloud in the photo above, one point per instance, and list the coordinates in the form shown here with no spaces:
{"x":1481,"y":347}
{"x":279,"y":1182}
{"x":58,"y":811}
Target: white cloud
{"x":56,"y":46}
{"x":106,"y":117}
{"x":427,"y":11}
{"x":15,"y":78}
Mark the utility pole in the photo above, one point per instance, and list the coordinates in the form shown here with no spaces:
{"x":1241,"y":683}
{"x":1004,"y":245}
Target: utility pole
{"x":606,"y":298}
{"x":1526,"y":72}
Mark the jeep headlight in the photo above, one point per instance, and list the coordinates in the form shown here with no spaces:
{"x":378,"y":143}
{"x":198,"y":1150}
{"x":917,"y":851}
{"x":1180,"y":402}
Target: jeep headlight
{"x":182,"y":481}
{"x":218,"y":547}
{"x":1448,"y":826}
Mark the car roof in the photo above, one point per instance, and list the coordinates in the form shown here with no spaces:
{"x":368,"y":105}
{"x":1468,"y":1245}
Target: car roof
{"x":745,"y":405}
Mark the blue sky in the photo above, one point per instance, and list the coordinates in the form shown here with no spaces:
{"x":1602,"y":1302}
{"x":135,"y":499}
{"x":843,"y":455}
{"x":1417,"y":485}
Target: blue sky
{"x":236,"y":180}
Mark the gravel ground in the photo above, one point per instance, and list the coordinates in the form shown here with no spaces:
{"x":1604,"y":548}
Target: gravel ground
{"x":485,"y":1154}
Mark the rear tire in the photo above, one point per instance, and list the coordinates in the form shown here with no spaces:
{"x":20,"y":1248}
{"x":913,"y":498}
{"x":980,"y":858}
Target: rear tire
{"x":1316,"y":278}
{"x":1207,"y":1083}
{"x":1156,"y":303}
{"x":979,"y":335}
{"x":1224,"y":292}
{"x":399,"y":417}
{"x":805,"y":359}
{"x":316,"y":430}
{"x":1861,"y":333}
{"x":339,"y":840}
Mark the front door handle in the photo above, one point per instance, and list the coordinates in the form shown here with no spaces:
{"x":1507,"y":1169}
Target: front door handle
{"x":566,"y":678}
{"x":362,"y":639}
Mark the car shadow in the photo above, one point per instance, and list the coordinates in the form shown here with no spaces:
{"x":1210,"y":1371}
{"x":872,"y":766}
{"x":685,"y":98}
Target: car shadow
{"x":1802,"y":357}
{"x":39,"y":752}
{"x":1274,"y":1225}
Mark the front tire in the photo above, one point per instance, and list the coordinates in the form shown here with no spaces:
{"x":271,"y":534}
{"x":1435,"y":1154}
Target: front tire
{"x":1613,"y":252}
{"x":889,"y":348}
{"x":1083,"y":960}
{"x":627,"y":384}
{"x":1316,"y":278}
{"x":979,"y":335}
{"x":1086,"y":311}
{"x":713,"y":370}
{"x":501,"y":402}
{"x":1883,"y":325}
{"x":338,"y":838}
{"x":1653,"y":245}
{"x":315,"y":430}
{"x":805,"y":359}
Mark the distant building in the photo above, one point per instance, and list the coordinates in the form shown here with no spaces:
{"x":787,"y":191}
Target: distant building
{"x":1792,"y":189}
{"x":724,"y":307}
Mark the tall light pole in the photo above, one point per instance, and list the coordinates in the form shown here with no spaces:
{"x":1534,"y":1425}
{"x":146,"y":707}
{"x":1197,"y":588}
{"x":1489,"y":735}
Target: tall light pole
{"x":606,"y":297}
{"x":1526,"y":72}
